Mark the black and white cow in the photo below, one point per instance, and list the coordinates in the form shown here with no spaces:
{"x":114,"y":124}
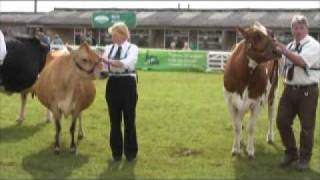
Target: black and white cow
{"x":25,"y":58}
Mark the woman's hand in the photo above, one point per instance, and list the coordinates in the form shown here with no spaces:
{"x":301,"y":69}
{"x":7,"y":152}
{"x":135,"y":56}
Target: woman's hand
{"x":115,"y":63}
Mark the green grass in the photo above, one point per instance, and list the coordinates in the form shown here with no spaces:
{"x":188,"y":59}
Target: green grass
{"x":177,"y":112}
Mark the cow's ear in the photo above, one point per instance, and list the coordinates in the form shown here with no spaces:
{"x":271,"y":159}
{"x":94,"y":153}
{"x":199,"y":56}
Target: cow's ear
{"x":69,"y":48}
{"x":84,"y":46}
{"x":270,"y":33}
{"x":242,"y":31}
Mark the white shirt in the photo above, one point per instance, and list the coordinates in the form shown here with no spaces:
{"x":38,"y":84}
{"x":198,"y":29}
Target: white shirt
{"x":310,"y":53}
{"x":128,"y":57}
{"x":3,"y":49}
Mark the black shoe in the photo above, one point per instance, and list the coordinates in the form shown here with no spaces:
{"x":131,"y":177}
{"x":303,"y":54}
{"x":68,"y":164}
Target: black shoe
{"x":117,"y":159}
{"x":303,"y":165}
{"x":288,"y":159}
{"x":131,"y":159}
{"x":1,"y":80}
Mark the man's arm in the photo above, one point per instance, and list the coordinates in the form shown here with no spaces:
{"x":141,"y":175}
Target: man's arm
{"x":294,"y":57}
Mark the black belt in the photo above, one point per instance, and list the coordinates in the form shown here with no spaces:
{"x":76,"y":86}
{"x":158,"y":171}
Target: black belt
{"x":124,"y":72}
{"x":302,"y":86}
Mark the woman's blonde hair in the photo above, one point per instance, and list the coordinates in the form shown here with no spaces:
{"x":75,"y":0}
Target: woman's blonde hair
{"x":120,"y":29}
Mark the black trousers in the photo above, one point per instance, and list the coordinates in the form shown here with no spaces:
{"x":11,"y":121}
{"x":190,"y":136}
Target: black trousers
{"x":121,"y":97}
{"x":302,"y":102}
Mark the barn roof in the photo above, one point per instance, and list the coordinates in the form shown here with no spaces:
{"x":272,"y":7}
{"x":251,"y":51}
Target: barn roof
{"x":213,"y":18}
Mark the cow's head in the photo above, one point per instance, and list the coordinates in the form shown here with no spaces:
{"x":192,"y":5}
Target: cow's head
{"x":260,"y":43}
{"x":88,"y":63}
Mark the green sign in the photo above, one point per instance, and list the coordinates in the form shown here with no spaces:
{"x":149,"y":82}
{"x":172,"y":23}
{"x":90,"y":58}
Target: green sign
{"x":105,"y":19}
{"x":157,"y":59}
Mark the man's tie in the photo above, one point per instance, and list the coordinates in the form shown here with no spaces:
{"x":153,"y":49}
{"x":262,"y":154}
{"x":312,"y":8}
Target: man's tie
{"x":291,"y":69}
{"x":118,"y":53}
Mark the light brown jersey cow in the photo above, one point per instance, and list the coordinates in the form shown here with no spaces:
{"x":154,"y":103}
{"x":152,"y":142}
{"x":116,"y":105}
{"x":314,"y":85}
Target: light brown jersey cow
{"x":66,"y":86}
{"x":250,"y":80}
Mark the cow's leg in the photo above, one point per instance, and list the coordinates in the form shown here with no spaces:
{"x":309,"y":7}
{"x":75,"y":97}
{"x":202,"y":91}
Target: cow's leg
{"x":73,"y":148}
{"x":49,"y":116}
{"x":255,"y":109}
{"x":236,"y":116}
{"x":271,"y":110}
{"x":57,"y":121}
{"x":237,"y":120}
{"x":22,"y":108}
{"x":80,"y":130}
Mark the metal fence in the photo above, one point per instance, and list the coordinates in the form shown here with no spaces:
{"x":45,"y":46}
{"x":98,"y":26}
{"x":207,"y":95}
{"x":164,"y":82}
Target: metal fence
{"x":216,"y":60}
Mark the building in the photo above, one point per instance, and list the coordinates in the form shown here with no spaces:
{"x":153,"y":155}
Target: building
{"x":161,"y":28}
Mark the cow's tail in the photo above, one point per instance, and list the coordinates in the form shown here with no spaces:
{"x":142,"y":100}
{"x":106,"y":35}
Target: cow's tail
{"x":33,"y":90}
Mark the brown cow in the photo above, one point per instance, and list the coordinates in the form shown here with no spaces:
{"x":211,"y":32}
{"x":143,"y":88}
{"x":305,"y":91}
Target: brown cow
{"x":66,"y":86}
{"x":250,"y":79}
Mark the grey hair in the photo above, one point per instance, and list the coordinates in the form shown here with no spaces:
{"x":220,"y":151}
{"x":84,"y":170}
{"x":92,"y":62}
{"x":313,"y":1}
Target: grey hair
{"x":300,"y":19}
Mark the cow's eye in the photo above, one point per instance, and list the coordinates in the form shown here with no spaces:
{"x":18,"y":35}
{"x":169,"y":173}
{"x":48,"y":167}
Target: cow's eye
{"x":258,"y":37}
{"x":84,"y":60}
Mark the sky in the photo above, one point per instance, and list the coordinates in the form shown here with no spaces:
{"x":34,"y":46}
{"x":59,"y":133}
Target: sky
{"x":47,"y":5}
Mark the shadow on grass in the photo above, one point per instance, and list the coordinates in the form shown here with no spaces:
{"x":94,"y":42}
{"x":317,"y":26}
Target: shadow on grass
{"x":266,"y":165}
{"x":119,"y":170}
{"x":47,"y":165}
{"x":17,"y":132}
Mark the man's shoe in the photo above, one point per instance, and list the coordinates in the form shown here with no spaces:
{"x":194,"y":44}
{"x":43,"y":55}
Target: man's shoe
{"x":288,"y":159}
{"x":303,"y":165}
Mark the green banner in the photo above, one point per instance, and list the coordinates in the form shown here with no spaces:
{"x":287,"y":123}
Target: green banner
{"x":105,"y":19}
{"x":157,"y":59}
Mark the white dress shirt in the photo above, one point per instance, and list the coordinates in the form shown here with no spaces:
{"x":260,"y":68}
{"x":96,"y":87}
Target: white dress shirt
{"x":128,"y":57}
{"x":3,"y":49}
{"x":310,"y":53}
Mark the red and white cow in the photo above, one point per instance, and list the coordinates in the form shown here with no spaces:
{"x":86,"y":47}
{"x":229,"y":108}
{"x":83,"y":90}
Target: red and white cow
{"x":250,"y":80}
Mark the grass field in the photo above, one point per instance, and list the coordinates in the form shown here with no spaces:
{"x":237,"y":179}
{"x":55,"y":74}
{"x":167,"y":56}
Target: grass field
{"x":184,"y":132}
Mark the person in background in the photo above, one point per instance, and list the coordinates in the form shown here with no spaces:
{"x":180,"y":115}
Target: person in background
{"x":173,"y":45}
{"x":47,"y":36}
{"x":44,"y":39}
{"x":57,"y":40}
{"x":88,"y":38}
{"x":142,"y":41}
{"x":186,"y":46}
{"x":121,"y":92}
{"x":78,"y":38}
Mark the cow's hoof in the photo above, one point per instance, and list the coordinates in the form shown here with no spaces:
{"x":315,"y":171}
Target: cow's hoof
{"x":57,"y":150}
{"x":235,"y":153}
{"x":73,"y":150}
{"x":251,"y":157}
{"x":269,"y":141}
{"x":80,"y":136}
{"x":20,"y":121}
